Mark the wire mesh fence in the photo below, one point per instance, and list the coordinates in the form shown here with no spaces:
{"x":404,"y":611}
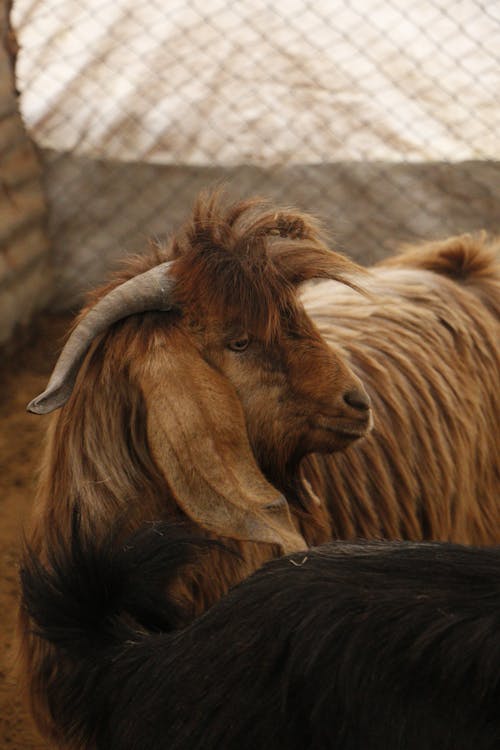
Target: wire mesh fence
{"x":380,"y":116}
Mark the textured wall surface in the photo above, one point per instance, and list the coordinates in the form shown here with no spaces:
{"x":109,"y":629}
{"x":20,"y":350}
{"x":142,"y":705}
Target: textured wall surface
{"x":231,"y":82}
{"x":25,"y":269}
{"x":103,"y":210}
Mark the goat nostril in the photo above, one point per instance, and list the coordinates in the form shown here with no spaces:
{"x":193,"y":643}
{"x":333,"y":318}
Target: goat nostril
{"x":358,"y":399}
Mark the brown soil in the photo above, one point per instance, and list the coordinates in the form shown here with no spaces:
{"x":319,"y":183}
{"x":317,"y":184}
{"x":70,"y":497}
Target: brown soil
{"x":23,"y":374}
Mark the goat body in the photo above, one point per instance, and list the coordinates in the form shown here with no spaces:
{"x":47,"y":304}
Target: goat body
{"x":425,"y":343}
{"x":373,"y":644}
{"x":252,"y":385}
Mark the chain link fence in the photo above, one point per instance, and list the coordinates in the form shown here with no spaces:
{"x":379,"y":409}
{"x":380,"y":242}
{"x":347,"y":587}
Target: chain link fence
{"x":380,"y":116}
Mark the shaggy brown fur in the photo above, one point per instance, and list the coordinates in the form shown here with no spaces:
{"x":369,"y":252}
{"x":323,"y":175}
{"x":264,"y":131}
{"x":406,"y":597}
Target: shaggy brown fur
{"x":175,"y":414}
{"x":427,"y":348}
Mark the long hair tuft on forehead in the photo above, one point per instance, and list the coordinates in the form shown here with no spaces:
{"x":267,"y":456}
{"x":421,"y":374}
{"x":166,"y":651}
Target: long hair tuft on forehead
{"x":242,"y":262}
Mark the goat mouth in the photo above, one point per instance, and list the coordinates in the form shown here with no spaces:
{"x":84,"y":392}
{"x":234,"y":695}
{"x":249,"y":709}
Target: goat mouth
{"x":348,"y":429}
{"x":351,"y":431}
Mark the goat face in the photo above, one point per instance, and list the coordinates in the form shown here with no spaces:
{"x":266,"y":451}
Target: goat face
{"x":298,"y":394}
{"x":236,"y":381}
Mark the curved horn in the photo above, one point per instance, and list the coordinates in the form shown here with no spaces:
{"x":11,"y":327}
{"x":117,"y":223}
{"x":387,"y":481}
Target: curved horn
{"x":148,"y":291}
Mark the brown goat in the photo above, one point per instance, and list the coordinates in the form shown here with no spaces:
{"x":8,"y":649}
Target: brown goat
{"x":200,"y":389}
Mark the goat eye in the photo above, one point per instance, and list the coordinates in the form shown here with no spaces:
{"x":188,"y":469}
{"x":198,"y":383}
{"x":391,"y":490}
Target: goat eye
{"x":239,"y":345}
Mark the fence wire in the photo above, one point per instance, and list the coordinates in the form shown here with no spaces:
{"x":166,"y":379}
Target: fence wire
{"x":380,"y":116}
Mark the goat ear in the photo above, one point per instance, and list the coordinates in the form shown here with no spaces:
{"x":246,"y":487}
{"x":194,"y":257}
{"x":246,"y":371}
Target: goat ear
{"x":198,"y":438}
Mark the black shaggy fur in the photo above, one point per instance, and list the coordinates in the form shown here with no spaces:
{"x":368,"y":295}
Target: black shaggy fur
{"x":373,"y":645}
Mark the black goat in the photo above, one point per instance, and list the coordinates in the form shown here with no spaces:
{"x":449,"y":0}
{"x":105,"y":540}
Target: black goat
{"x":371,"y":645}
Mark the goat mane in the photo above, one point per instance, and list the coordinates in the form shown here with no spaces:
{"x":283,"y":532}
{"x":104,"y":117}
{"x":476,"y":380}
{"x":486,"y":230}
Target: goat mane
{"x":242,"y":262}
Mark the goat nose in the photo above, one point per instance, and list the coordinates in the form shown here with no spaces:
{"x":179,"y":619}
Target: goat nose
{"x":358,"y":399}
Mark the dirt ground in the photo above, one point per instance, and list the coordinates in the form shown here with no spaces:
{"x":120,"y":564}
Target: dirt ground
{"x":23,"y":374}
